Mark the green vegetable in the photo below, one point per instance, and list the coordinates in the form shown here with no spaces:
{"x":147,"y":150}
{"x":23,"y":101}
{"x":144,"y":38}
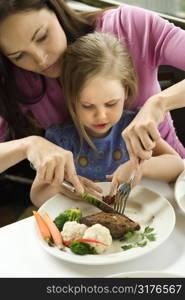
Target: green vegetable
{"x":72,"y":214}
{"x":82,"y":248}
{"x":91,"y":199}
{"x":141,"y":240}
{"x":128,"y":235}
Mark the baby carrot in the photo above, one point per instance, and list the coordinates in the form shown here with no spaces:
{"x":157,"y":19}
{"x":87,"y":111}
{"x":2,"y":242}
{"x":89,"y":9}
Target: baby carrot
{"x":43,"y":227}
{"x":55,"y":233}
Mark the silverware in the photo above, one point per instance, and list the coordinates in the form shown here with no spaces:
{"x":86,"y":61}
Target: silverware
{"x":122,"y":195}
{"x":123,"y":192}
{"x":91,"y":199}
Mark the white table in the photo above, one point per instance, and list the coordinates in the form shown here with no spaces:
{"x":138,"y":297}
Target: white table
{"x":22,"y":256}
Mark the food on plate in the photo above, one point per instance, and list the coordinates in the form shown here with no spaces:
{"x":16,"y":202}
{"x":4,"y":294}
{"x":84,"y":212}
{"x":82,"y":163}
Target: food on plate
{"x":97,"y":237}
{"x":43,"y":228}
{"x":73,"y":231}
{"x":100,"y":233}
{"x":116,"y":223}
{"x":141,"y":239}
{"x":82,"y":248}
{"x":55,"y":233}
{"x":72,"y":214}
{"x":109,"y":200}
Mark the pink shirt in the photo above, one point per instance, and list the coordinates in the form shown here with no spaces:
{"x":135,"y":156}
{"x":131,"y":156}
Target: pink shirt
{"x":151,"y":41}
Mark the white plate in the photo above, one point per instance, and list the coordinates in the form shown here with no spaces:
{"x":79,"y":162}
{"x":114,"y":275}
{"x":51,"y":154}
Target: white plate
{"x":144,"y":206}
{"x":180,"y":191}
{"x":145,"y":274}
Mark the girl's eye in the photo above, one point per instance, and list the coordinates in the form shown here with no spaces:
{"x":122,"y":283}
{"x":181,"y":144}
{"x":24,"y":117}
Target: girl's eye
{"x":41,"y":39}
{"x":19,"y":57}
{"x":111,"y":104}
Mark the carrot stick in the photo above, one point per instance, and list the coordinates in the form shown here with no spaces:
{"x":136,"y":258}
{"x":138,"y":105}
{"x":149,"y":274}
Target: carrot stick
{"x":45,"y":233}
{"x":55,"y":233}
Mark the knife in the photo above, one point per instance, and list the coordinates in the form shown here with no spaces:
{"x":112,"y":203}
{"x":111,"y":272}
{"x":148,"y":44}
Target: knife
{"x":91,"y":199}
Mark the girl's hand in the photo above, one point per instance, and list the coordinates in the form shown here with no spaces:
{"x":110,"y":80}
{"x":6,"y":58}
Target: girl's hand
{"x":142,"y":133}
{"x":89,"y":187}
{"x":122,"y":174}
{"x":52,"y":163}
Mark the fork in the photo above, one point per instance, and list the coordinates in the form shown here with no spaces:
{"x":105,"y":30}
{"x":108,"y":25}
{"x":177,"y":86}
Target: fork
{"x":122,"y":194}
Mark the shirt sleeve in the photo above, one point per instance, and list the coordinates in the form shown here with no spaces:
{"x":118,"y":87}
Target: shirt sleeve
{"x":153,"y":39}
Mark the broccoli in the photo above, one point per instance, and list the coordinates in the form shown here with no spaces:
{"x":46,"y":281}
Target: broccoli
{"x":72,"y":214}
{"x":82,"y":248}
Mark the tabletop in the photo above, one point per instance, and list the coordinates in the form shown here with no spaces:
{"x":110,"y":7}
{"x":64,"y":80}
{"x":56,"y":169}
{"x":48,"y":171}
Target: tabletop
{"x":22,"y":256}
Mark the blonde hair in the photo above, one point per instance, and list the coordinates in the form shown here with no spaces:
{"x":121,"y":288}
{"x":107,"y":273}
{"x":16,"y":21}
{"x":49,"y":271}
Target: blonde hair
{"x":91,"y":55}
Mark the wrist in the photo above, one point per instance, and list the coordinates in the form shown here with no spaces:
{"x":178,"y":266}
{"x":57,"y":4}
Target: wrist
{"x":28,"y":142}
{"x":158,"y":104}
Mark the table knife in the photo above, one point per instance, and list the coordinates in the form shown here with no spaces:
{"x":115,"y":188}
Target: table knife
{"x":91,"y":199}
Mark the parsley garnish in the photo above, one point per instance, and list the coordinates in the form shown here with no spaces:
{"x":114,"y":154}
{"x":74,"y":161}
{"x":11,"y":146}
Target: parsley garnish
{"x":141,"y":240}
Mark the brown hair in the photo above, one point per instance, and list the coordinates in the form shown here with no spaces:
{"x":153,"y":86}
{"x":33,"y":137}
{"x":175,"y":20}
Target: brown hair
{"x":95,"y":53}
{"x":74,"y":24}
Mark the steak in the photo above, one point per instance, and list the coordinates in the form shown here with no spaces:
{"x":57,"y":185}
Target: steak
{"x":117,"y":224}
{"x":109,"y":200}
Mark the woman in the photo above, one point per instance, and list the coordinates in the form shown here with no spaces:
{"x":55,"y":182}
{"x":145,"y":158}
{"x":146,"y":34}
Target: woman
{"x":33,"y":36}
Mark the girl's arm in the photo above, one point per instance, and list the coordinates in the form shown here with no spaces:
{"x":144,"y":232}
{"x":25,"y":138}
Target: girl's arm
{"x":165,"y":163}
{"x":41,"y":192}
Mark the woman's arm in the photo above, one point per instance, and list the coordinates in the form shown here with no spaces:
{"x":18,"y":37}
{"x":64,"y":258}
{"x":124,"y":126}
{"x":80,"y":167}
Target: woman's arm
{"x":142,"y":133}
{"x":51,"y":162}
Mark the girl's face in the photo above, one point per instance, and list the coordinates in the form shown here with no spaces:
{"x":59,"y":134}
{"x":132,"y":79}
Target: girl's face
{"x":101,"y":105}
{"x":34,"y":41}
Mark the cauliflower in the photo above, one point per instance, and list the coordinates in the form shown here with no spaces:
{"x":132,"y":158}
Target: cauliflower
{"x":73,"y":231}
{"x":100,"y":233}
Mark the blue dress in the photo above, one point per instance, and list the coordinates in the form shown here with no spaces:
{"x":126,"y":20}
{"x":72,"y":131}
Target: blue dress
{"x":111,"y":149}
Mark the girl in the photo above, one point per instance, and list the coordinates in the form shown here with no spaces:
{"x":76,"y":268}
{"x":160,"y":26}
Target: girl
{"x":98,"y":79}
{"x":33,"y":36}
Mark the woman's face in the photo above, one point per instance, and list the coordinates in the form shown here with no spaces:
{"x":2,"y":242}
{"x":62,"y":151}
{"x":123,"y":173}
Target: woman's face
{"x":34,"y":41}
{"x":101,"y":104}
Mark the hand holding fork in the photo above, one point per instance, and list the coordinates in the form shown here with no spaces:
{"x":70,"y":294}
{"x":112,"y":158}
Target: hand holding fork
{"x":123,"y":179}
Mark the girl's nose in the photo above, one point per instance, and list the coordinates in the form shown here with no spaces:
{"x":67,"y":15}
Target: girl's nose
{"x":101,"y":114}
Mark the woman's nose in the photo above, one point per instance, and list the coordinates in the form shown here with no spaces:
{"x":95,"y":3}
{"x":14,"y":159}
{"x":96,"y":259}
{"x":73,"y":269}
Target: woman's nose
{"x":40,"y":58}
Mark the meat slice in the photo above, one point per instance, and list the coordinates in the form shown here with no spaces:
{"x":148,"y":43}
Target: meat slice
{"x":109,"y":200}
{"x":116,"y":223}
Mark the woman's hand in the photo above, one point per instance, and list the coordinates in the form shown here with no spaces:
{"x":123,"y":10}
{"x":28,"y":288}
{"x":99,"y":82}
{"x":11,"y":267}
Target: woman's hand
{"x":142,"y":133}
{"x":122,"y":174}
{"x":52,"y":163}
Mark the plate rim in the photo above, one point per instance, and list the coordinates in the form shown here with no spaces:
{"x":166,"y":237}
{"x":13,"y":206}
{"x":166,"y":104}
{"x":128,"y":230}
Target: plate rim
{"x":177,"y":200}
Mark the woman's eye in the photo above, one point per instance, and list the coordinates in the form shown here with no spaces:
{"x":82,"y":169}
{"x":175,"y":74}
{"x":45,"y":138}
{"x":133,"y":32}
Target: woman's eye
{"x":19,"y":57}
{"x":87,"y":107}
{"x":42,"y":38}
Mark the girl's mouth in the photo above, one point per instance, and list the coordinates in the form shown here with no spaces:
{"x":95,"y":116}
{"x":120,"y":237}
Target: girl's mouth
{"x":100,"y":126}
